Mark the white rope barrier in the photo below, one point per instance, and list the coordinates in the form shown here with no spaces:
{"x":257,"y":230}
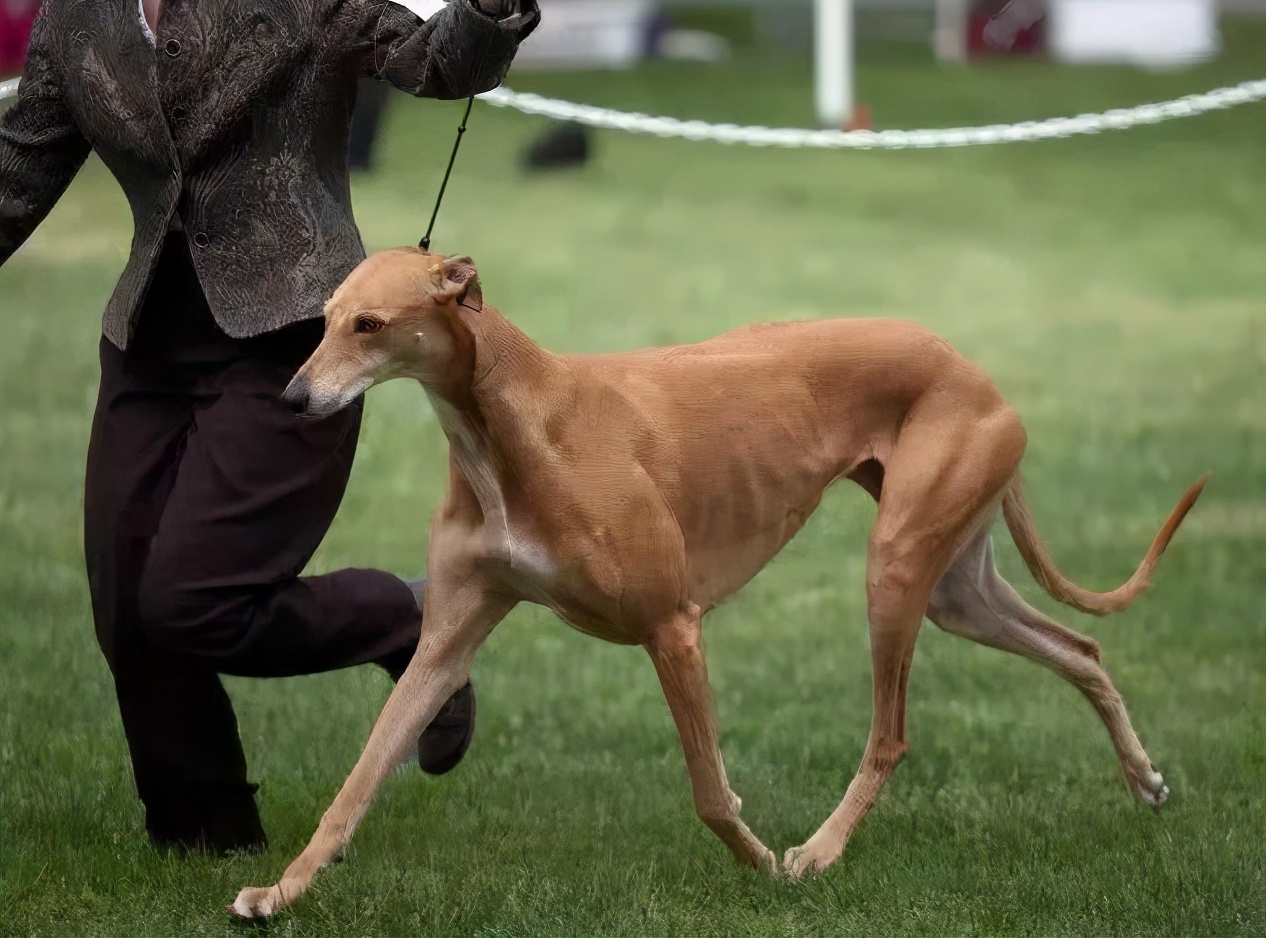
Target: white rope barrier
{"x":755,"y":136}
{"x":1053,"y":128}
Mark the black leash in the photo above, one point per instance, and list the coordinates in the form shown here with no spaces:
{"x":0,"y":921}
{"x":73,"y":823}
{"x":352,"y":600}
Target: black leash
{"x":425,"y":243}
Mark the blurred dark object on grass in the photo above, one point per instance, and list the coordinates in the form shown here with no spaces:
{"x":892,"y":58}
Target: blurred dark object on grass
{"x":562,"y":146}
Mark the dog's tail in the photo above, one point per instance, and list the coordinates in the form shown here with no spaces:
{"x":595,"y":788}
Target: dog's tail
{"x":1024,"y":532}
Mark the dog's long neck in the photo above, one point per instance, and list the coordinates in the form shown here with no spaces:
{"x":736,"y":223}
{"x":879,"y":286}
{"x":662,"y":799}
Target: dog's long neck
{"x":480,"y":408}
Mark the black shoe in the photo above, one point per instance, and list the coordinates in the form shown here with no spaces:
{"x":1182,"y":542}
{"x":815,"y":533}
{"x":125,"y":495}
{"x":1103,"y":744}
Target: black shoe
{"x":563,"y":146}
{"x":443,"y":744}
{"x":216,"y":823}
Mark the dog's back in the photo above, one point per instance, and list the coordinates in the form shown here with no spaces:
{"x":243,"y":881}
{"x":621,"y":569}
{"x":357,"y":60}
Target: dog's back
{"x":804,"y":403}
{"x":879,"y":367}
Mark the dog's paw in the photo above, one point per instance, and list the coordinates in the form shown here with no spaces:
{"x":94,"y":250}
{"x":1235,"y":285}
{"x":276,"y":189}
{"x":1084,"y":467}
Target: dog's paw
{"x":766,"y":862}
{"x":809,"y":859}
{"x":797,"y":863}
{"x":792,"y":867}
{"x":755,"y":856}
{"x":1152,"y":789}
{"x":255,"y":902}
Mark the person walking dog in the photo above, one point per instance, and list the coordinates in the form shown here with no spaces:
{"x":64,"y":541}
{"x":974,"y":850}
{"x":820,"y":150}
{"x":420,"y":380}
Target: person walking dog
{"x":226,"y":124}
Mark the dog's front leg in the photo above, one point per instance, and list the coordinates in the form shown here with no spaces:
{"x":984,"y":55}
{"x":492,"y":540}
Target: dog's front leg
{"x":457,"y":621}
{"x":677,"y":651}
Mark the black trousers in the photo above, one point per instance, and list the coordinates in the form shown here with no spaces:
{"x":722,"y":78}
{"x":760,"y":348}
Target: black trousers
{"x":205,"y":498}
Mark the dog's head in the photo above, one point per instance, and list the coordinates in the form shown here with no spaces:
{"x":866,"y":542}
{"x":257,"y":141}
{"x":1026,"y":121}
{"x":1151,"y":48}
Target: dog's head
{"x":396,"y":315}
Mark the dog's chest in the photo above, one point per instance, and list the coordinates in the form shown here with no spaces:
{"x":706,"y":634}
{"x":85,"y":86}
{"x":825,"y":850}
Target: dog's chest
{"x":562,"y":581}
{"x":529,"y":560}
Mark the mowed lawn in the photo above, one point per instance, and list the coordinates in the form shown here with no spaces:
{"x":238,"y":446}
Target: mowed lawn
{"x":1114,"y":287}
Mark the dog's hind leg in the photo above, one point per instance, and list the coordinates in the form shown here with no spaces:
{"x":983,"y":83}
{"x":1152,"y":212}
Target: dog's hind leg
{"x":938,"y":485}
{"x":458,"y":621}
{"x":974,"y":601}
{"x":677,"y":652}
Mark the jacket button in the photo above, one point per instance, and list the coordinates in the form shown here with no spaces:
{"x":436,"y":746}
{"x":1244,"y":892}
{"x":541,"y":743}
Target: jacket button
{"x":201,"y":239}
{"x":179,"y":112}
{"x":172,"y":47}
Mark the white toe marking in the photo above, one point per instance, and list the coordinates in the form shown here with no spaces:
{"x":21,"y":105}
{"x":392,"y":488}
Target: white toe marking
{"x":241,"y":908}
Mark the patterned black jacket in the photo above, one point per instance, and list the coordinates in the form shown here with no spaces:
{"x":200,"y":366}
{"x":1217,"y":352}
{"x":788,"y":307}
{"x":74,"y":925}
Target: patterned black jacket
{"x":234,"y":122}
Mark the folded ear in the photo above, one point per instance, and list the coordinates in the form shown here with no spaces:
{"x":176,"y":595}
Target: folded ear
{"x":460,"y":282}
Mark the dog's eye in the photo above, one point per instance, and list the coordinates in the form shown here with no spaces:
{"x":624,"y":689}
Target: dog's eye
{"x":367,"y":325}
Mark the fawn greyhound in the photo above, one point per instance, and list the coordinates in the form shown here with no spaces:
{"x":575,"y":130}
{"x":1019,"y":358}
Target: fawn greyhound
{"x":631,"y":493}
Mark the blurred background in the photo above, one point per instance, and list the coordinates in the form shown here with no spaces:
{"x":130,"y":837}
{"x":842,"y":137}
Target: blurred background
{"x":1114,"y":286}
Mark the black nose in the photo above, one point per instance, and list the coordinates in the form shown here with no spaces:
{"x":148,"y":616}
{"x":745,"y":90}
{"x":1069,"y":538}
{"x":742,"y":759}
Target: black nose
{"x":296,"y":396}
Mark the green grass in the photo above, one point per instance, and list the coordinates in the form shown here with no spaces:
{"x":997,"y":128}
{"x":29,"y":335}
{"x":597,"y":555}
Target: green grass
{"x":1114,"y":287}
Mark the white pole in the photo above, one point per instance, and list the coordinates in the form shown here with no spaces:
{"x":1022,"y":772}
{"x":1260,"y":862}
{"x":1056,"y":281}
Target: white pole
{"x":951,"y":31}
{"x":833,"y":61}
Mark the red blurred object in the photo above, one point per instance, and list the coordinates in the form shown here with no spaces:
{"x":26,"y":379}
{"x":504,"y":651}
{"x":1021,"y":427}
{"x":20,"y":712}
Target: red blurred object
{"x":1029,"y":41}
{"x":861,"y":119}
{"x":16,"y":17}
